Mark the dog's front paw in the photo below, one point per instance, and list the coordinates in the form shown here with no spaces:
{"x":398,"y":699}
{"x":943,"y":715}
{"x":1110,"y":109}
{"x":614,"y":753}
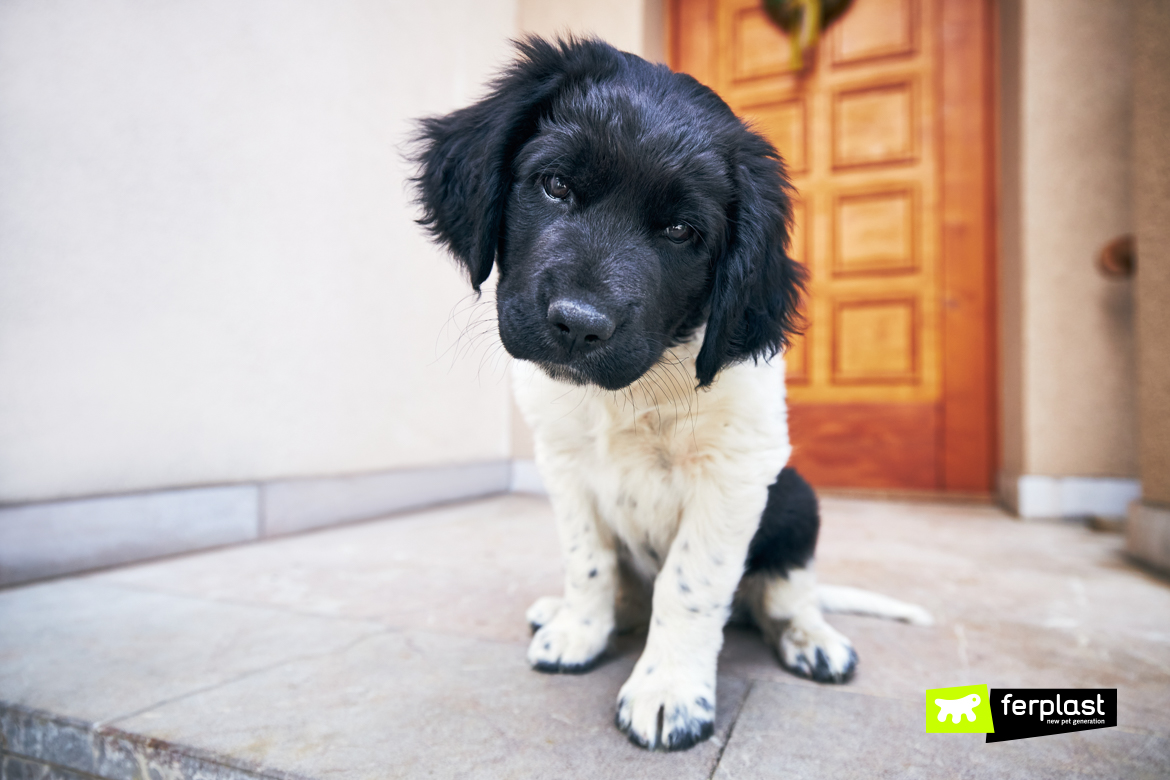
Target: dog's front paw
{"x":569,"y":643}
{"x":669,"y":710}
{"x":816,"y":650}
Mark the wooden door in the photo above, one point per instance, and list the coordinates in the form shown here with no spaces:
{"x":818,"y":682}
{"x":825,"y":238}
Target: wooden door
{"x":886,"y":137}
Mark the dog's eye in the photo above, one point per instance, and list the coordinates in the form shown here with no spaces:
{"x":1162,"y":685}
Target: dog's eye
{"x":556,"y":187}
{"x":679,"y":233}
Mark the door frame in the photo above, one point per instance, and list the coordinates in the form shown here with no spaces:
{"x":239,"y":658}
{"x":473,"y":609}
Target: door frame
{"x":967,"y":450}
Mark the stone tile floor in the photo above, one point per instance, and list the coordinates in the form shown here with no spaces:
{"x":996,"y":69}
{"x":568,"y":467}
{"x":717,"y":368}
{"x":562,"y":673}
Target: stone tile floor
{"x":395,"y":648}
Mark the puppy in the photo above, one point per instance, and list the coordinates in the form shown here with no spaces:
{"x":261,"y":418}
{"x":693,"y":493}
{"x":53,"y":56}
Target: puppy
{"x":639,"y":232}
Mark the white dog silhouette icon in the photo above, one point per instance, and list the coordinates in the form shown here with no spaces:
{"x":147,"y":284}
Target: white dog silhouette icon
{"x":957,"y":708}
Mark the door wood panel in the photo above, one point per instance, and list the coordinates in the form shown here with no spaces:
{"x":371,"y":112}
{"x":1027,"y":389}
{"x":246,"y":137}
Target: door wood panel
{"x":873,"y":231}
{"x":886,"y":136}
{"x":874,"y":124}
{"x":877,"y":445}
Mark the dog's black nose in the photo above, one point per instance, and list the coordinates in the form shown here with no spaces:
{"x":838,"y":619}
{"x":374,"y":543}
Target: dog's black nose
{"x":579,"y":326}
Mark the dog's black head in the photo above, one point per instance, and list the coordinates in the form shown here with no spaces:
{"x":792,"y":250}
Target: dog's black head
{"x":625,"y":207}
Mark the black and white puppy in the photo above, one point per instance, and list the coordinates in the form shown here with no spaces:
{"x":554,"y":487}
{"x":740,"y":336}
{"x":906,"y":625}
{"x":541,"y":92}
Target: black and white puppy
{"x":640,"y":233}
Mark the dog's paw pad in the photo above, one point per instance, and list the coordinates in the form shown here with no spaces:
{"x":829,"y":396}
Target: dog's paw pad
{"x":542,"y":611}
{"x":568,"y":644}
{"x":665,"y":716}
{"x":818,"y":653}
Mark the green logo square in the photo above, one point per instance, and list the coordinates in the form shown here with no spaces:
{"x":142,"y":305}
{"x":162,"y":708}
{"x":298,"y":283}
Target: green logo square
{"x":962,"y":710}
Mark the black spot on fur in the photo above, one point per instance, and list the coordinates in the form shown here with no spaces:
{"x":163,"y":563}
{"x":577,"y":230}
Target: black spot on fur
{"x":592,"y":573}
{"x":787,"y":536}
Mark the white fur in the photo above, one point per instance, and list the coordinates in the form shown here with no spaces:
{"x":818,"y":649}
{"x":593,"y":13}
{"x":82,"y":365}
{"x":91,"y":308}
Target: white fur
{"x":788,"y":612}
{"x":677,"y":480}
{"x":840,"y":598}
{"x":669,"y":482}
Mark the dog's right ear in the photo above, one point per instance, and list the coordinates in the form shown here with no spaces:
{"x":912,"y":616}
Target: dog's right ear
{"x":465,"y":158}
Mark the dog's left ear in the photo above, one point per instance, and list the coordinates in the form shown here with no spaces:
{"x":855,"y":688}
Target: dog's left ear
{"x":465,"y":158}
{"x":757,"y":288}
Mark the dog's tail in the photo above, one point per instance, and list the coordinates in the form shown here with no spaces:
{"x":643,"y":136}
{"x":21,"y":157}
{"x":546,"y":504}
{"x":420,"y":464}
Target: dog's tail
{"x":840,"y":598}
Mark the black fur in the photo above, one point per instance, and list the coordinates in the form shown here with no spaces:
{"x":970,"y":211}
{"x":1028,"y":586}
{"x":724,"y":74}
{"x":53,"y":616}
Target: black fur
{"x":675,"y":215}
{"x":787,"y":536}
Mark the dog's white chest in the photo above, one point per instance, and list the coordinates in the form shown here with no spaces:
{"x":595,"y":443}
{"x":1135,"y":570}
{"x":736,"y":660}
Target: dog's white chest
{"x":638,"y":459}
{"x":637,"y":471}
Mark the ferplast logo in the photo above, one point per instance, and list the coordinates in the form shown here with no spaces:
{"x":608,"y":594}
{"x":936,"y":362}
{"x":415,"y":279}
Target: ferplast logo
{"x":1022,"y":713}
{"x":1019,"y":713}
{"x":962,"y":710}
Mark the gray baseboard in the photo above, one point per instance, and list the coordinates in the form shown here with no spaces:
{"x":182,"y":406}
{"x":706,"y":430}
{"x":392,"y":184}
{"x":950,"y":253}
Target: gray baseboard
{"x":62,"y":537}
{"x":1039,"y":496}
{"x":526,"y":478}
{"x":294,"y":505}
{"x":53,"y":538}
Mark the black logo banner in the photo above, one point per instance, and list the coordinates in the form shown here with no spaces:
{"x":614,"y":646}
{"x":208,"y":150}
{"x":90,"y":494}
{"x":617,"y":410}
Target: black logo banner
{"x":1020,"y":713}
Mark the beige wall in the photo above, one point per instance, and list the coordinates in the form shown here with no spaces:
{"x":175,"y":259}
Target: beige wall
{"x":636,"y":26}
{"x":1066,"y":331}
{"x":209,"y":270}
{"x":1151,"y":202}
{"x":1010,"y":225}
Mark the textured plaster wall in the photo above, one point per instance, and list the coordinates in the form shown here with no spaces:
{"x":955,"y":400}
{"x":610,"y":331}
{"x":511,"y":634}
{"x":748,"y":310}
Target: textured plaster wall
{"x":209,"y":270}
{"x":1151,"y":203}
{"x":636,"y":26}
{"x":1067,"y":331}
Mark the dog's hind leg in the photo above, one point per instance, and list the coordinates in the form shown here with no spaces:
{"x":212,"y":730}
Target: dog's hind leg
{"x":788,"y":611}
{"x":543,"y":610}
{"x":631,"y":608}
{"x":780,"y":590}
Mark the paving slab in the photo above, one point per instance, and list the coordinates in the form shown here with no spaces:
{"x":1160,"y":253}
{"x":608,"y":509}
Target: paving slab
{"x":800,"y":733}
{"x":468,"y":569}
{"x":395,"y":648}
{"x":415,"y":704}
{"x":90,"y":650}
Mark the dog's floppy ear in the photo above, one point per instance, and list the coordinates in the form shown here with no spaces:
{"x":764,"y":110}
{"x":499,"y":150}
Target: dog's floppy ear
{"x":755,"y":297}
{"x":465,"y":158}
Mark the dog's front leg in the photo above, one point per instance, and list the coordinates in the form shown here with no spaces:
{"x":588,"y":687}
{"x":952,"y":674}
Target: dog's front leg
{"x":669,"y":700}
{"x":572,"y":632}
